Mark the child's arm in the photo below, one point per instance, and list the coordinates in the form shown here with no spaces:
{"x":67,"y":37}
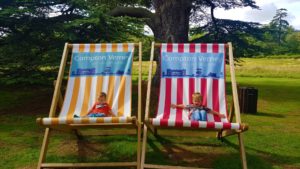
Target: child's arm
{"x":91,"y":109}
{"x":111,"y":113}
{"x":216,"y":113}
{"x":177,"y":106}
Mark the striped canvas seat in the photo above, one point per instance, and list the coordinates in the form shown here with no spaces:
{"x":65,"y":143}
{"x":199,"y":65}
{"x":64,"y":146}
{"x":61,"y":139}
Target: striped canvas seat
{"x":97,"y":68}
{"x":189,"y":68}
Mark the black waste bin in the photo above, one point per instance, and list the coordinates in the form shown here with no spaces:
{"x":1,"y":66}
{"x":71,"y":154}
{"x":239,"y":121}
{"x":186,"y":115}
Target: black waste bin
{"x":248,"y":99}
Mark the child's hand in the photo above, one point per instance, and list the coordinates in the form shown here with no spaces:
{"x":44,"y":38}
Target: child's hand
{"x":221,"y":115}
{"x":173,"y":106}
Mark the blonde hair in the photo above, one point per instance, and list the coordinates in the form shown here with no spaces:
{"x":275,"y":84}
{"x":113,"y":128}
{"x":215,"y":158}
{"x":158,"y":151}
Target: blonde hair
{"x":197,"y":96}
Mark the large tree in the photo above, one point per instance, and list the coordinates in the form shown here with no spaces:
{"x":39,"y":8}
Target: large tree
{"x":279,"y":25}
{"x":170,"y":20}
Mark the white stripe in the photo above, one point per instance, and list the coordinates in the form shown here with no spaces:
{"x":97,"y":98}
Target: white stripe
{"x":235,"y":126}
{"x":62,"y":120}
{"x":127,"y":101}
{"x":209,"y":48}
{"x":93,"y":93}
{"x":86,"y":48}
{"x":105,"y":84}
{"x":218,"y":125}
{"x":222,"y":101}
{"x":122,"y":119}
{"x":221,"y":48}
{"x":186,"y":48}
{"x":108,"y":47}
{"x":197,"y":48}
{"x":162,"y":96}
{"x":77,"y":120}
{"x":68,"y":97}
{"x":186,"y":123}
{"x":46,"y":121}
{"x":92,"y":120}
{"x":80,"y":98}
{"x":202,"y":124}
{"x":175,"y":48}
{"x":75,"y":48}
{"x":163,"y":47}
{"x":185,"y":98}
{"x":172,"y":116}
{"x":119,"y":47}
{"x":198,"y":85}
{"x":98,"y":48}
{"x":116,"y":95}
{"x":210,"y":116}
{"x":156,"y":122}
{"x":130,"y":47}
{"x":107,"y":119}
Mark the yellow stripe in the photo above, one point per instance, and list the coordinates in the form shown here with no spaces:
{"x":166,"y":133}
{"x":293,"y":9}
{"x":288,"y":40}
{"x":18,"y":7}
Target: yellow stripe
{"x":54,"y":121}
{"x":86,"y":98}
{"x":103,"y":47}
{"x":121,"y":96}
{"x":114,"y":47}
{"x":81,"y":48}
{"x":115,"y":120}
{"x":99,"y":86}
{"x":125,"y":47}
{"x":74,"y":97}
{"x":100,"y":120}
{"x":85,"y":120}
{"x":92,"y":47}
{"x":110,"y":92}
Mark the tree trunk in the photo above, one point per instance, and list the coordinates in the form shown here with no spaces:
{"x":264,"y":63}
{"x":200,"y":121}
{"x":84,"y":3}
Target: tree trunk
{"x":171,"y":24}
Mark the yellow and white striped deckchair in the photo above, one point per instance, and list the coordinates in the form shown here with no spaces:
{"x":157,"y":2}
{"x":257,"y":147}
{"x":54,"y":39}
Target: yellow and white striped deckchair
{"x":94,"y":68}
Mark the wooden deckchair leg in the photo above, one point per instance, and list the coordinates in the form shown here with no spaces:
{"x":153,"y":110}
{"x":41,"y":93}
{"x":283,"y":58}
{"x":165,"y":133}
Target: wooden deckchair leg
{"x":144,"y":145}
{"x":242,"y":151}
{"x":44,"y":148}
{"x":139,"y":146}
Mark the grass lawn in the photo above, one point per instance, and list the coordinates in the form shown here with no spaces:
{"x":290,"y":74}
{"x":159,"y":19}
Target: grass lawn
{"x":273,"y":140}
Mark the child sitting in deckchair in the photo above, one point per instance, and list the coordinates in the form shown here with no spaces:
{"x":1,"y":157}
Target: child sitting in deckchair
{"x":100,"y":108}
{"x":197,"y":111}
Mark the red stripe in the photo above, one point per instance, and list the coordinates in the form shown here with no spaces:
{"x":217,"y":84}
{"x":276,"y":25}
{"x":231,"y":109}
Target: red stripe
{"x":180,"y":47}
{"x":168,"y":98}
{"x":210,"y":125}
{"x":191,"y":89}
{"x":204,"y":91}
{"x":203,"y":47}
{"x":169,"y":47}
{"x":195,"y":124}
{"x":215,"y":99}
{"x":215,"y":48}
{"x":179,"y":101}
{"x":226,"y":125}
{"x":192,"y":48}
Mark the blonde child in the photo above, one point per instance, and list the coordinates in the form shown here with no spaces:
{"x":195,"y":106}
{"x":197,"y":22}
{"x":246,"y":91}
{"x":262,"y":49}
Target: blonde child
{"x":197,"y":111}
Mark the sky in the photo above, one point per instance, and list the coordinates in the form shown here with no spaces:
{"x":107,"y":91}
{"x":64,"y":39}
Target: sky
{"x":265,"y":13}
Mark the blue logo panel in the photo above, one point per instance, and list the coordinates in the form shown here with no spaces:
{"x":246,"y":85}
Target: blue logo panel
{"x":101,"y":63}
{"x":192,"y":65}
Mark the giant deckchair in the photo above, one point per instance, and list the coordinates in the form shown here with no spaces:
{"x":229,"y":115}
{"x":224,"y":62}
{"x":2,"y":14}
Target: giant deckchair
{"x":94,"y":68}
{"x":185,"y":69}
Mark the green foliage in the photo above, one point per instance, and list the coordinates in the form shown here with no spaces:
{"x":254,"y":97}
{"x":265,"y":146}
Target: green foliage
{"x":32,"y":35}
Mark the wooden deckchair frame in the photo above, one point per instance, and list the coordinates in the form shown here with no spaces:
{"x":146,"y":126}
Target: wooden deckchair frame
{"x":220,"y":133}
{"x":56,"y":101}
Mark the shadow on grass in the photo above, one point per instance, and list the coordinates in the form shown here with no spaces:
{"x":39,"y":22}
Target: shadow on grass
{"x":268,"y":115}
{"x":167,"y":152}
{"x":266,"y":157}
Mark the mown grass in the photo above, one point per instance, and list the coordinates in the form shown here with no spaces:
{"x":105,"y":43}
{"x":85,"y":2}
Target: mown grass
{"x":271,"y":142}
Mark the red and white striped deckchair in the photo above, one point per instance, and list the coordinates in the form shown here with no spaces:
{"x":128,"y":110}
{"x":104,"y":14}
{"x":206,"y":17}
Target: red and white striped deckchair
{"x":186,"y":69}
{"x":95,"y":68}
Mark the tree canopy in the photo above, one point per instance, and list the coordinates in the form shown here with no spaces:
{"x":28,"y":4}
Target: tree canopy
{"x":32,"y":33}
